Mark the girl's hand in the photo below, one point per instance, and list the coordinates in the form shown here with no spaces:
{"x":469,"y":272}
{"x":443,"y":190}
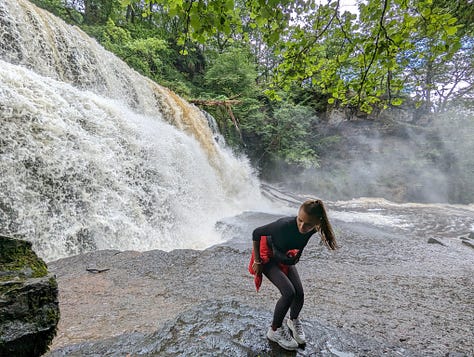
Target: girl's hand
{"x":257,"y":268}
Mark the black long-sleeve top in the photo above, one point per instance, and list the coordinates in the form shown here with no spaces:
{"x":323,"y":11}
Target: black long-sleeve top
{"x":284,"y":237}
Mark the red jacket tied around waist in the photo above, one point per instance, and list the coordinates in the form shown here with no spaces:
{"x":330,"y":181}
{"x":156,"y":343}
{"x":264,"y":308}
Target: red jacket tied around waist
{"x":266,"y":254}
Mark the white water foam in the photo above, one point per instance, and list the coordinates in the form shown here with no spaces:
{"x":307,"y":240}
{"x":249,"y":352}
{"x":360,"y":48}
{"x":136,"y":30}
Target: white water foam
{"x":83,"y":172}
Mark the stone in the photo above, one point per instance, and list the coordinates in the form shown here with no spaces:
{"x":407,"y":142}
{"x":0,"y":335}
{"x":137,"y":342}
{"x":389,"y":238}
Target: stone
{"x":29,"y":307}
{"x":471,"y":235}
{"x":456,"y":354}
{"x":469,"y":244}
{"x":435,"y":241}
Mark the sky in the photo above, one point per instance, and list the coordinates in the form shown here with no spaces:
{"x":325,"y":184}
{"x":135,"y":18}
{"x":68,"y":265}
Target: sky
{"x":344,"y":5}
{"x":348,"y":5}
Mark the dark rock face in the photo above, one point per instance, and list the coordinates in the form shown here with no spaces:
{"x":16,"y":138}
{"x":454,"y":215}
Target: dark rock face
{"x":229,"y":328}
{"x":29,"y":307}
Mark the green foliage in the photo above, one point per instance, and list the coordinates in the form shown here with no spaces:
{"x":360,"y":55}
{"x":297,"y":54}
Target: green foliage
{"x":97,"y":12}
{"x":202,"y":20}
{"x":391,"y":50}
{"x":363,"y":62}
{"x":58,"y":8}
{"x":284,"y":135}
{"x":148,"y":54}
{"x":54,"y":6}
{"x":290,"y":135}
{"x":232,"y":74}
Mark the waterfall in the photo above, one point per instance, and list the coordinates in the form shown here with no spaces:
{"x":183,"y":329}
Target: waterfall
{"x":95,"y":156}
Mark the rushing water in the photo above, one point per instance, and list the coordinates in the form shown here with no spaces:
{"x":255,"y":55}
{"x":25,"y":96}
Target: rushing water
{"x":95,"y":156}
{"x":420,"y":221}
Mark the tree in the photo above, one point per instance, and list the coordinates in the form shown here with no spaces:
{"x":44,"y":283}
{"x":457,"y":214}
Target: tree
{"x":232,"y":74}
{"x":202,"y":20}
{"x":395,"y":48}
{"x":392,"y":50}
{"x":280,"y":133}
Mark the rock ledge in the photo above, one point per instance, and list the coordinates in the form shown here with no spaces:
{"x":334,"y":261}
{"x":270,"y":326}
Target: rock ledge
{"x":29,"y":307}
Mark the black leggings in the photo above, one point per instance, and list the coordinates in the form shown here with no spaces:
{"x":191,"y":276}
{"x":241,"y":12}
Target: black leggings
{"x":292,"y":295}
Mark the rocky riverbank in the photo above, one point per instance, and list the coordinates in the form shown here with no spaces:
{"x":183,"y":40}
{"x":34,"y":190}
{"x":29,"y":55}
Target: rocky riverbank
{"x":380,"y":294}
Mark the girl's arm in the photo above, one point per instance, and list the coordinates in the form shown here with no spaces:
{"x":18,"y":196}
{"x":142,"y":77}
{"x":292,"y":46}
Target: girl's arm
{"x":280,"y":256}
{"x":257,"y":260}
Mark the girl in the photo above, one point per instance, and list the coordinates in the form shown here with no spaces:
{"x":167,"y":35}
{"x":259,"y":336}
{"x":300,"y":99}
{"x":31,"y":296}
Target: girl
{"x":286,"y":238}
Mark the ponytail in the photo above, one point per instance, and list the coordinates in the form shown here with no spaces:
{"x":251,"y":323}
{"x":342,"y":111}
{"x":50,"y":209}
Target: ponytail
{"x":316,"y":208}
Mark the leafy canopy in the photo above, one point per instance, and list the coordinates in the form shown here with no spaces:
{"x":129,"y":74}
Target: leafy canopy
{"x":368,"y":60}
{"x":204,"y":19}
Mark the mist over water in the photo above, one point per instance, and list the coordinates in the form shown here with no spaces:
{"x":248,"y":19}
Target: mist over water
{"x":397,"y":160}
{"x":94,"y":156}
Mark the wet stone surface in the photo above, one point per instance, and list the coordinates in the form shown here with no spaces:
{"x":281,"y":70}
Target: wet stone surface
{"x":381,"y":293}
{"x":228,"y":328}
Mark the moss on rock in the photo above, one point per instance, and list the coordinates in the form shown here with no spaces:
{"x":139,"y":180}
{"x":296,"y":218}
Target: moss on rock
{"x":29,"y":308}
{"x":18,"y":258}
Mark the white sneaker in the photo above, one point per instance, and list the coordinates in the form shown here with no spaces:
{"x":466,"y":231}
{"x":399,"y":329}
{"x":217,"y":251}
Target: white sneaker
{"x":297,"y":329}
{"x":283,"y":338}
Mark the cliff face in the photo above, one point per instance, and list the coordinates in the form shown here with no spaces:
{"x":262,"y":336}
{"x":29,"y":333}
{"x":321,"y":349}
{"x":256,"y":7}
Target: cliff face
{"x":29,"y":308}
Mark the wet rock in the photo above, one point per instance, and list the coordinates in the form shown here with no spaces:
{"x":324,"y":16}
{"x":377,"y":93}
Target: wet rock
{"x":469,"y":244}
{"x":435,"y":241}
{"x":229,"y":328}
{"x":456,"y":354}
{"x":29,"y":308}
{"x":468,"y":238}
{"x":380,"y":285}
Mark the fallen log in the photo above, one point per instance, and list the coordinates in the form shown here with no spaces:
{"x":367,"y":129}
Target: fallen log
{"x":226,"y":103}
{"x":215,"y":102}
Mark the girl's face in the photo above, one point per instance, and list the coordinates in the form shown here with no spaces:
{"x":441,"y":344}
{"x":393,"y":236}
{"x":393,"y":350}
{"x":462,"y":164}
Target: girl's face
{"x":306,"y":222}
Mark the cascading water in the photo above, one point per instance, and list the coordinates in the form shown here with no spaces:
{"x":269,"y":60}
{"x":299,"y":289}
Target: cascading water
{"x":95,"y":156}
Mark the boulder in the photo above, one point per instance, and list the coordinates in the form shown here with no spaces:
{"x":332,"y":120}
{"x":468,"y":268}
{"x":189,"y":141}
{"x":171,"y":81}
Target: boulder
{"x":29,"y":308}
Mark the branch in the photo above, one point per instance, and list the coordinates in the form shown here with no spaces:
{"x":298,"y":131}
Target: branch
{"x":215,"y":102}
{"x":234,"y":120}
{"x":304,"y":49}
{"x":374,"y":54}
